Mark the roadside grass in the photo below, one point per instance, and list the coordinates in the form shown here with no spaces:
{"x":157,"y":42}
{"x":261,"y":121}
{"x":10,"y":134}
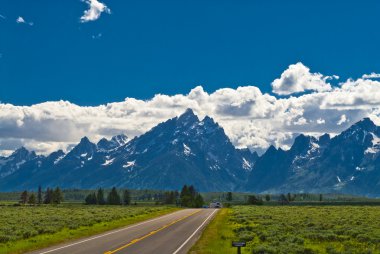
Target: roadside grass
{"x":293,"y":229}
{"x":216,"y":237}
{"x":64,"y":223}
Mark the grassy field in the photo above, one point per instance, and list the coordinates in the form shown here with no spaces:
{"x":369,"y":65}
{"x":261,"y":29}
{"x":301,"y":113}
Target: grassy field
{"x":294,"y":229}
{"x":24,"y":228}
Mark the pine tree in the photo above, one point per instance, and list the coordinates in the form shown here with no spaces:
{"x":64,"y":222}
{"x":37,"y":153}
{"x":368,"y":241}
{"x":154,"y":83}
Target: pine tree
{"x":39,"y":195}
{"x":169,"y":197}
{"x":289,"y":197}
{"x":48,"y":196}
{"x":114,"y":197}
{"x":253,"y":200}
{"x":267,"y":197}
{"x":192,"y":191}
{"x":32,"y":199}
{"x":100,"y":197}
{"x":57,"y":196}
{"x":229,"y":196}
{"x":91,"y":199}
{"x":185,"y":196}
{"x":190,"y":197}
{"x":198,"y":202}
{"x":126,"y":197}
{"x":24,"y":197}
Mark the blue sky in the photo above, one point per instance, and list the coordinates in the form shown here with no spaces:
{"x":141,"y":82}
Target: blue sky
{"x":266,"y":71}
{"x":169,"y":47}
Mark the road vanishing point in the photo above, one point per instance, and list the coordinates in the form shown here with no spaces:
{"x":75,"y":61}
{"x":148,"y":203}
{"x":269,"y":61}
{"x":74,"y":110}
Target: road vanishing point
{"x":173,"y":233}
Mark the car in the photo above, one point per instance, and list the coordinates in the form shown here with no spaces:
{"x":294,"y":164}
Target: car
{"x":216,"y":204}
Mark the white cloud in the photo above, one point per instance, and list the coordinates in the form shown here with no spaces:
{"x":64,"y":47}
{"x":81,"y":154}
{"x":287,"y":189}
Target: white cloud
{"x":354,"y":94}
{"x":371,"y":76}
{"x":21,"y":20}
{"x":298,"y":78}
{"x":250,"y":118}
{"x":321,"y":121}
{"x":96,"y":8}
{"x":342,"y":120}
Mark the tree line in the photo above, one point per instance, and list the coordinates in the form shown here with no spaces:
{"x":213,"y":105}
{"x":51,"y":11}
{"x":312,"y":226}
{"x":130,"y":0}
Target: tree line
{"x":188,"y":197}
{"x":113,"y":198}
{"x":50,"y":196}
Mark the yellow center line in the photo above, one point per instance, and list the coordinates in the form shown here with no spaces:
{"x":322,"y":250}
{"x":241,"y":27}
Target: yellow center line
{"x":149,"y":234}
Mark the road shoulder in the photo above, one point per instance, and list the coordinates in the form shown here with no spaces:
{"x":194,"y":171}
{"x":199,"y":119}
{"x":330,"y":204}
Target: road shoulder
{"x":212,"y":239}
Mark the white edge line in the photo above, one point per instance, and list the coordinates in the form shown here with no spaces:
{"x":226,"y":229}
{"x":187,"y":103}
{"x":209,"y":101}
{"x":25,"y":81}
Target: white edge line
{"x":110,"y":233}
{"x":188,"y":239}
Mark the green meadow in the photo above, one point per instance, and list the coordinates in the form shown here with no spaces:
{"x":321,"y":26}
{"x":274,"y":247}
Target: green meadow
{"x":293,"y":229}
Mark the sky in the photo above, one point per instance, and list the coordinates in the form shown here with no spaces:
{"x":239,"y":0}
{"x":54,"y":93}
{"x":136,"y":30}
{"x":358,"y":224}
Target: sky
{"x":265,"y":70}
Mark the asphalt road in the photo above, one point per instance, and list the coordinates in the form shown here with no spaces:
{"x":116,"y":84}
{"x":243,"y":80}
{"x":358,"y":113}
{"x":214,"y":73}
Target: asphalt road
{"x":174,"y":233}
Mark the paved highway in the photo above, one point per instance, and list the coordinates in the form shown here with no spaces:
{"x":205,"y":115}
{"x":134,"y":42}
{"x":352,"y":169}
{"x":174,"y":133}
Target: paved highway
{"x":174,"y":233}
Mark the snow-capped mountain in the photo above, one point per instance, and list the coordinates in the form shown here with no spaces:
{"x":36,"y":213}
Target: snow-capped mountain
{"x":182,"y":150}
{"x":347,"y":163}
{"x":115,"y":142}
{"x":187,"y":150}
{"x":13,"y":163}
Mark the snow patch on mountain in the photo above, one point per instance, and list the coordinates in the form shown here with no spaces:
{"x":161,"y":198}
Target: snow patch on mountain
{"x":186,"y":150}
{"x":246,"y":164}
{"x":314,"y":148}
{"x":375,"y":148}
{"x":129,"y":164}
{"x":359,"y":169}
{"x":59,"y":159}
{"x":18,"y":164}
{"x":108,"y":162}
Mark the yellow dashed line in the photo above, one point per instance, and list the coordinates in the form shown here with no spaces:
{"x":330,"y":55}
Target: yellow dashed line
{"x":149,"y":234}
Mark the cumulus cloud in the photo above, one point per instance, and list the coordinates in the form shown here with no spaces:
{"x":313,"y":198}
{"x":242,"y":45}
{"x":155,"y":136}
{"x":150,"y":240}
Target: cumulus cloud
{"x":298,"y":78}
{"x":250,"y":118}
{"x":96,"y":8}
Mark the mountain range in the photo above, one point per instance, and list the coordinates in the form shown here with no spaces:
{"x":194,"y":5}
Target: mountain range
{"x":187,"y":150}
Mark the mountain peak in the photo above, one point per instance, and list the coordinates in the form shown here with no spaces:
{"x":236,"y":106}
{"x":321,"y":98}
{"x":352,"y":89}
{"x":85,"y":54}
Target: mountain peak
{"x":366,"y":123}
{"x":302,"y":141}
{"x":84,"y":140}
{"x":188,"y":117}
{"x":271,"y":149}
{"x":115,"y":142}
{"x":84,"y":146}
{"x":23,"y":153}
{"x":208,"y":120}
{"x":324,"y":139}
{"x":21,"y":150}
{"x":120,"y":139}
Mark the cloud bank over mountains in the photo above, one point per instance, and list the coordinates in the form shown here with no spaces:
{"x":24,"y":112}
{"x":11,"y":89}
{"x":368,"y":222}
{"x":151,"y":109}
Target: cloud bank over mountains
{"x":308,"y":104}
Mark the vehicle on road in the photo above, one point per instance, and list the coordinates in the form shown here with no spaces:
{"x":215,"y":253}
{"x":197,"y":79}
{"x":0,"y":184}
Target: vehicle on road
{"x":216,"y":204}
